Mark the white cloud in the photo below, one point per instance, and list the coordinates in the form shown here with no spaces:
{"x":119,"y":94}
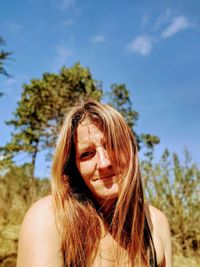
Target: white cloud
{"x":68,"y":22}
{"x":98,"y":39}
{"x":15,"y":27}
{"x":145,"y":20}
{"x":63,"y":54}
{"x":178,"y":24}
{"x":163,"y":19}
{"x":165,"y":26}
{"x":142,"y":44}
{"x":65,"y":4}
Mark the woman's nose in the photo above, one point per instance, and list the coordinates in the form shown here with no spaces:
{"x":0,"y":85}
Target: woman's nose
{"x":103,"y":160}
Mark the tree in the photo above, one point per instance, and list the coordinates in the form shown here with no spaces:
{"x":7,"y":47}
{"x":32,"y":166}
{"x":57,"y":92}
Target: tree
{"x":173,"y":187}
{"x":120,"y":99}
{"x":149,"y":141}
{"x":43,"y":105}
{"x":14,"y":202}
{"x":3,"y":57}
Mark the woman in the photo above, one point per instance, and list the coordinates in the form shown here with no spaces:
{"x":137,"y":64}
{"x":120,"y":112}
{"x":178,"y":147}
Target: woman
{"x":96,"y":215}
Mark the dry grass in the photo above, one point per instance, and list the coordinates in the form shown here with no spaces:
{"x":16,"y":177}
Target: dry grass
{"x":180,"y":261}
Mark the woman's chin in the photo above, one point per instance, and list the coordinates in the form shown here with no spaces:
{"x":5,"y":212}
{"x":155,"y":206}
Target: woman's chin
{"x":107,"y":192}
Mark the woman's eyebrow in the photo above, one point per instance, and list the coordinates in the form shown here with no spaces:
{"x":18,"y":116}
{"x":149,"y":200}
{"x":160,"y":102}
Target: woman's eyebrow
{"x":84,"y":148}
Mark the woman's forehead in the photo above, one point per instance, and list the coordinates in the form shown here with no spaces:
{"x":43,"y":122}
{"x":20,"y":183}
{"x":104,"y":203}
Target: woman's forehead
{"x":88,"y":133}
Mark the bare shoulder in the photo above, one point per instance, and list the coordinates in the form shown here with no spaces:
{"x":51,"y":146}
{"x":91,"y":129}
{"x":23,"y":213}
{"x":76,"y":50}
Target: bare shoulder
{"x":39,"y":241}
{"x":44,"y":207}
{"x":40,"y":218}
{"x":161,"y":231}
{"x":160,"y":223}
{"x":158,"y":216}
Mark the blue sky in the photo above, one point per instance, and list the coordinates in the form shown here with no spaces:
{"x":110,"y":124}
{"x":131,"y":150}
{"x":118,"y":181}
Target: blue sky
{"x":151,"y":46}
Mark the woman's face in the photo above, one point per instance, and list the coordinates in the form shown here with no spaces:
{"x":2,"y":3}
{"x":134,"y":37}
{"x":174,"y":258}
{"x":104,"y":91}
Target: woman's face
{"x":93,"y":162}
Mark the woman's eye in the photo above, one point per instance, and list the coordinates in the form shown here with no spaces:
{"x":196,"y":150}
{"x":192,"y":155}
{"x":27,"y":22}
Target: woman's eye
{"x":87,"y":154}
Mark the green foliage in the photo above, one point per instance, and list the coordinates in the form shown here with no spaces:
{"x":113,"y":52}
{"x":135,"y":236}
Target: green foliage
{"x":43,"y":105}
{"x":15,"y":199}
{"x":120,"y":100}
{"x":119,"y":97}
{"x":3,"y":57}
{"x":180,"y":260}
{"x":173,"y":187}
{"x":149,"y":141}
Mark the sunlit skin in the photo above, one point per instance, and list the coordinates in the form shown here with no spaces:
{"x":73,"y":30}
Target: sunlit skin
{"x":93,"y":162}
{"x":40,"y":240}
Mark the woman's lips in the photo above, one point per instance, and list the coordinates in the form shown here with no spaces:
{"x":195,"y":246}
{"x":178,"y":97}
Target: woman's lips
{"x":110,"y":176}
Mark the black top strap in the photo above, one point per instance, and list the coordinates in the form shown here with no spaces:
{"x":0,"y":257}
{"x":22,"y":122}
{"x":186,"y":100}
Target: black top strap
{"x":148,"y":240}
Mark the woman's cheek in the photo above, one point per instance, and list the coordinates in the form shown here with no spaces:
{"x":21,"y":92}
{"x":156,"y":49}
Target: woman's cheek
{"x":87,"y":169}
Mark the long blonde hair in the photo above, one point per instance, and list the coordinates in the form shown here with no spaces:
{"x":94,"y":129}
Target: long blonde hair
{"x":78,"y":217}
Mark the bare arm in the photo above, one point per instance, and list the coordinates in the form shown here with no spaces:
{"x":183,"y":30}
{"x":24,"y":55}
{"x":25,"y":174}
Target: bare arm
{"x":39,"y":242}
{"x":166,"y":240}
{"x":162,"y":237}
